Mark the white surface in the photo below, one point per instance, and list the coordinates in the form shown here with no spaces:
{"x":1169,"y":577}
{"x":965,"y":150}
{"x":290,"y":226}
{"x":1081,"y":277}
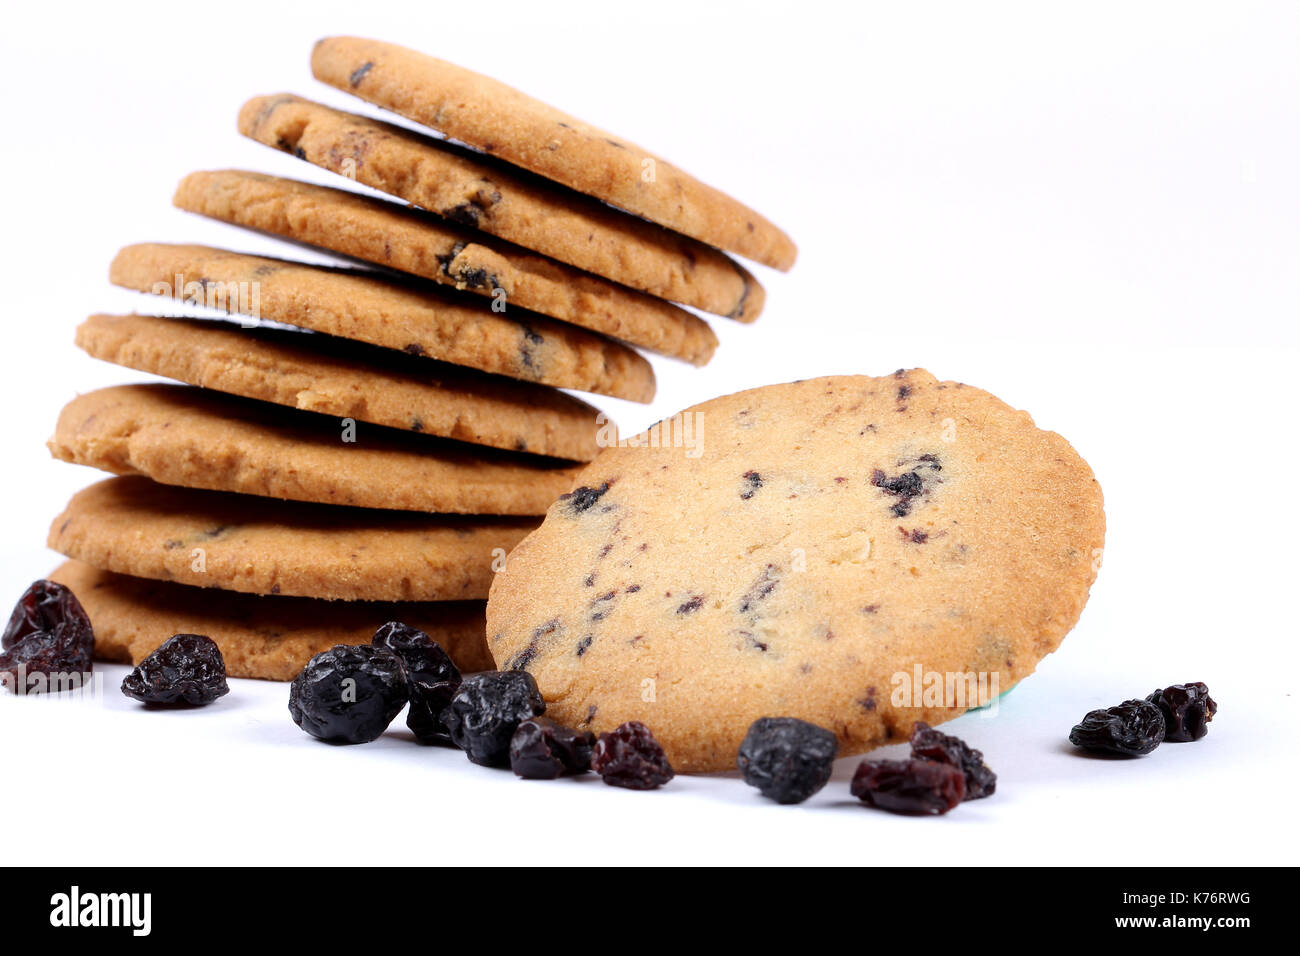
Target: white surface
{"x":1091,"y":214}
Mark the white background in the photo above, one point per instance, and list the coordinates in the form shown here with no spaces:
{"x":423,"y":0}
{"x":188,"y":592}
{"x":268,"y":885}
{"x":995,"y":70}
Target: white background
{"x":1091,"y":212}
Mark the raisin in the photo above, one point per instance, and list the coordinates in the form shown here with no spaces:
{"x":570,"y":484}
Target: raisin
{"x":1187,"y":708}
{"x":1132,"y":728}
{"x":185,"y":669}
{"x":487,"y":709}
{"x":541,"y":749}
{"x":432,"y":678}
{"x":581,"y":499}
{"x":48,"y":643}
{"x":909,"y":786}
{"x":349,"y":694}
{"x":629,"y":756}
{"x":930,"y":744}
{"x":787,"y":759}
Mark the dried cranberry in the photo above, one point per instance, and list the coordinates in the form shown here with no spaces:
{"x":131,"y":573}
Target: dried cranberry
{"x":629,"y":756}
{"x":909,"y":786}
{"x":348,"y":694}
{"x":185,"y":669}
{"x":930,"y":744}
{"x":431,"y":676}
{"x":787,"y":759}
{"x":1132,"y":728}
{"x":486,"y":710}
{"x":541,"y":749}
{"x":48,"y":642}
{"x":1187,"y":709}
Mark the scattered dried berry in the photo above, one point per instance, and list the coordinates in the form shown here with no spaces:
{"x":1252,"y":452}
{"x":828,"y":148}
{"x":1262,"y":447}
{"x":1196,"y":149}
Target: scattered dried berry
{"x":1132,"y":728}
{"x":48,"y":642}
{"x":349,"y":694}
{"x":1187,"y":708}
{"x":431,"y":676}
{"x":486,"y":710}
{"x":787,"y":759}
{"x":909,"y":786}
{"x":581,"y":499}
{"x":629,"y":756}
{"x":186,"y":669}
{"x":930,"y":744}
{"x":541,"y":749}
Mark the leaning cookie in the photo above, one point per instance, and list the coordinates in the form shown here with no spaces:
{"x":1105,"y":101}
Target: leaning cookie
{"x":270,"y":638}
{"x":819,"y":550}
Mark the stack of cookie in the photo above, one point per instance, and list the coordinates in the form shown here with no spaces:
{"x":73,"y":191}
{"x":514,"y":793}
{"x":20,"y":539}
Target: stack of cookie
{"x":376,"y":451}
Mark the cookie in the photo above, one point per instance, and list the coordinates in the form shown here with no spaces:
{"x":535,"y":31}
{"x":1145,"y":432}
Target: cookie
{"x":214,"y":539}
{"x":473,"y":190}
{"x":319,"y":373}
{"x":413,"y":241}
{"x":502,"y":121}
{"x":814,"y":547}
{"x":420,"y":320}
{"x":263,"y":637}
{"x":180,"y":435}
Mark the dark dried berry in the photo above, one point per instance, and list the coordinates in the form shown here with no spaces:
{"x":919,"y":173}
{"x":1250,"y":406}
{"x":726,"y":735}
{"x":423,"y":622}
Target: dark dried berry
{"x":48,"y":643}
{"x":909,"y":786}
{"x":486,"y":710}
{"x":930,"y":744}
{"x":431,"y":676}
{"x":348,"y":694}
{"x":1187,"y":709}
{"x":1132,"y":728}
{"x":629,"y":756}
{"x":186,"y":669}
{"x":581,"y":499}
{"x":787,"y":759}
{"x":541,"y":749}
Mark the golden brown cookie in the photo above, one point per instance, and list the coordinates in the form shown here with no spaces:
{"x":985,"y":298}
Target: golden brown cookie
{"x":196,"y":438}
{"x":420,"y":320}
{"x":502,"y":121}
{"x":413,"y":241}
{"x":214,"y":539}
{"x":822,"y":550}
{"x":476,"y":191}
{"x":264,"y":637}
{"x":320,"y":373}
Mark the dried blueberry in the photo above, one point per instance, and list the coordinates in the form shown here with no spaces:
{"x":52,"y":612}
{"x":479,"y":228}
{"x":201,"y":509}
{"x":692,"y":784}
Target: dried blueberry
{"x":1187,"y":709}
{"x":48,"y":643}
{"x":431,"y":676}
{"x":185,"y":669}
{"x":349,"y":694}
{"x":930,"y":744}
{"x":909,"y":786}
{"x":1133,"y":728}
{"x":787,"y":759}
{"x":486,"y":710}
{"x":541,"y":749}
{"x":581,"y":499}
{"x":629,"y":756}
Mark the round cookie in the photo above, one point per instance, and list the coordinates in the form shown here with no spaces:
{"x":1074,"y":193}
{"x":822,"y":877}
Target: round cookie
{"x":424,"y":321}
{"x":319,"y":373}
{"x":502,"y":121}
{"x":271,"y":638}
{"x":196,"y":438}
{"x":212,"y":539}
{"x":475,"y":191}
{"x":811,"y":549}
{"x":413,"y":241}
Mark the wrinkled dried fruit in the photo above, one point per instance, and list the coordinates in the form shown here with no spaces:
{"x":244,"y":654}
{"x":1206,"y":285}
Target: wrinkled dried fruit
{"x":909,"y":786}
{"x":431,"y":676}
{"x":787,"y":759}
{"x":930,"y":744}
{"x":629,"y":756}
{"x":1187,"y":709}
{"x":541,"y":749}
{"x":486,"y":710}
{"x":48,"y":643}
{"x":1132,"y":728}
{"x":348,"y":694}
{"x":185,"y":669}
